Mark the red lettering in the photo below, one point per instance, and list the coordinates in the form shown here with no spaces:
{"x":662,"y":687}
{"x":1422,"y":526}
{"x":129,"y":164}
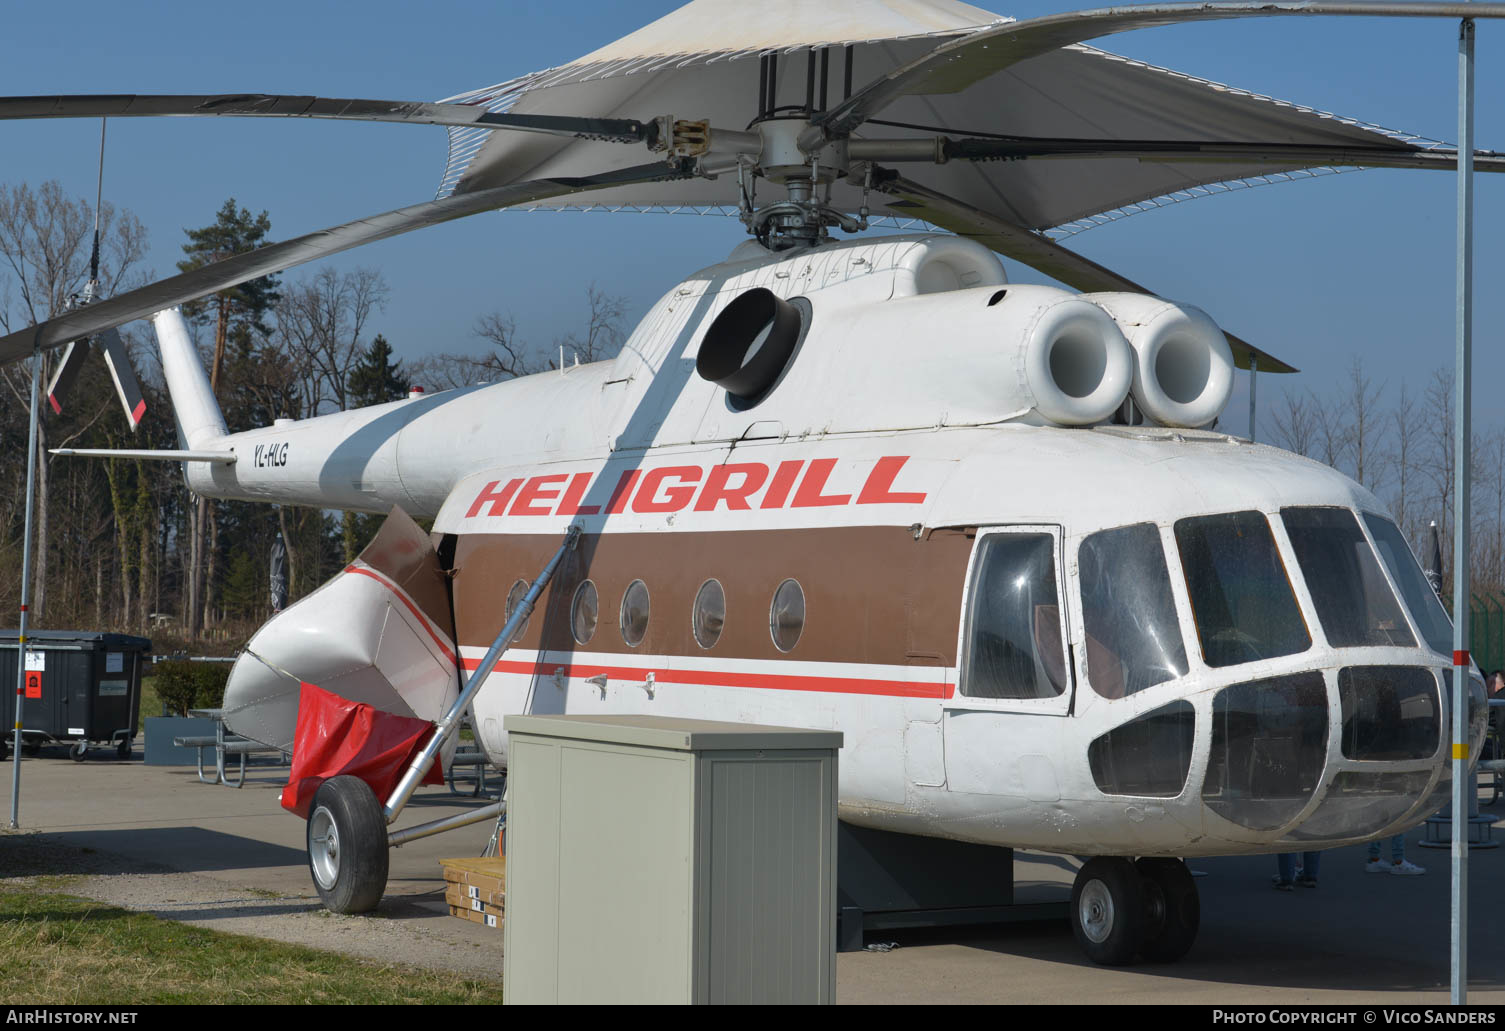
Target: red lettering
{"x":570,"y":504}
{"x":716,"y":490}
{"x":878,"y":490}
{"x":497,"y":499}
{"x":533,"y":491}
{"x":783,"y":483}
{"x":675,"y":498}
{"x":618,"y":501}
{"x":809,"y":495}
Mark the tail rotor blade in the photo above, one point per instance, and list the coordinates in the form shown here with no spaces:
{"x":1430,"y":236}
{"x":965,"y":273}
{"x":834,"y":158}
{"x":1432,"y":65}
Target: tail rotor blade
{"x":126,"y":387}
{"x":67,"y":372}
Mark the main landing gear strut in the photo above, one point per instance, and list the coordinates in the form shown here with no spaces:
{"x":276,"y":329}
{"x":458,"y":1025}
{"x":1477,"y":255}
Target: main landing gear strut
{"x":347,"y":824}
{"x":1124,"y":910}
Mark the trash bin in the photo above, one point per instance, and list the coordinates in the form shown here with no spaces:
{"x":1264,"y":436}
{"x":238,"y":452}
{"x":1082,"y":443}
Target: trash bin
{"x":82,"y":686}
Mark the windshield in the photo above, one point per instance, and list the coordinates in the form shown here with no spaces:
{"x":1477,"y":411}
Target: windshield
{"x":1354,"y":603}
{"x":1133,"y":636}
{"x":1421,"y":601}
{"x":1239,"y":591}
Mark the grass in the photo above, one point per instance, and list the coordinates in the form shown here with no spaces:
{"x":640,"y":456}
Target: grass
{"x":57,"y":949}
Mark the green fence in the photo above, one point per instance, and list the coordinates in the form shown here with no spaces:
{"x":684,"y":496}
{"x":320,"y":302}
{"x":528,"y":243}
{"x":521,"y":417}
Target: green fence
{"x":1486,"y":614}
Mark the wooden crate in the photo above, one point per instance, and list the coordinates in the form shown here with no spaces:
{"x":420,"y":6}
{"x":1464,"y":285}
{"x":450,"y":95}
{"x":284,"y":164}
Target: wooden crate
{"x":476,"y":889}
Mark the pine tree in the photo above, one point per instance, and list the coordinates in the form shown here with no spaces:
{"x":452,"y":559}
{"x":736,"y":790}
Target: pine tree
{"x":237,"y":312}
{"x":240,"y":309}
{"x":376,"y":379}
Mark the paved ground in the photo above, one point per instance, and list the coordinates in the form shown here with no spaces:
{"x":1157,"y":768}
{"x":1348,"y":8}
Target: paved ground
{"x":232,"y":859}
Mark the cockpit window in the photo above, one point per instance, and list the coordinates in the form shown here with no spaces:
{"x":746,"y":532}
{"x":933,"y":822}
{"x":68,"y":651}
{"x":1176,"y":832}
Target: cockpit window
{"x":1133,"y":636}
{"x":1421,"y":601}
{"x":1240,"y":594}
{"x":1354,"y":603}
{"x":1014,"y":644}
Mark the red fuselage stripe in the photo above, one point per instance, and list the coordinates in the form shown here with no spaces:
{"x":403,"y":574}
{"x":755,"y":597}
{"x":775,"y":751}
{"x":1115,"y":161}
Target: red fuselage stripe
{"x":721,"y":678}
{"x":400,"y":596}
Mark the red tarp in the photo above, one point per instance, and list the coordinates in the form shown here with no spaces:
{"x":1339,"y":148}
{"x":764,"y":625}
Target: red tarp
{"x":336,"y":736}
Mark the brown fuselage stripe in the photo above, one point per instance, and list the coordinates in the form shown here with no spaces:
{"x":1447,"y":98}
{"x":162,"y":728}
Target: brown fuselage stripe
{"x":722,"y":678}
{"x":873,"y":594}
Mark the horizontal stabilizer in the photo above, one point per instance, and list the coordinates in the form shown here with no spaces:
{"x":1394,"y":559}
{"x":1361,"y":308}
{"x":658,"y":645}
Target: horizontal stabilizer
{"x":215,"y":457}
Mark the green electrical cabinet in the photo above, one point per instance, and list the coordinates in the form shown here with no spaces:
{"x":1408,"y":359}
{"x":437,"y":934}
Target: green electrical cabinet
{"x":658,"y":860}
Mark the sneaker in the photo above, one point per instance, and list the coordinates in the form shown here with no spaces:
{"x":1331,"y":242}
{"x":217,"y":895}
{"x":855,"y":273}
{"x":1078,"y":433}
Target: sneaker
{"x":1280,"y":885}
{"x":1406,"y":868}
{"x":1307,"y":882}
{"x":1375,"y":866}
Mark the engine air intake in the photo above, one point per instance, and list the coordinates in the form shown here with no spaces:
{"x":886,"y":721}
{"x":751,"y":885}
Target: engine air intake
{"x":749,"y":344}
{"x":1183,"y":367}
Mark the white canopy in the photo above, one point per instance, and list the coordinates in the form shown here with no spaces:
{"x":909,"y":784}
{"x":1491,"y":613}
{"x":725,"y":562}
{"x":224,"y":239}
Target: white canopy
{"x":700,"y":62}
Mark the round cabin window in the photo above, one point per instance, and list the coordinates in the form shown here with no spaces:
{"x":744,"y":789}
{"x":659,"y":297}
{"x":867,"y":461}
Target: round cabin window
{"x":514,"y":599}
{"x":634,"y":619}
{"x":786,"y":617}
{"x":583,"y":613}
{"x":710,"y":614}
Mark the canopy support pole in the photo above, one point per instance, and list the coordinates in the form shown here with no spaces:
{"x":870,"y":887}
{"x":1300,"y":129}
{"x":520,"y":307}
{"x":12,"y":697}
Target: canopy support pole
{"x":1462,"y":780}
{"x":31,"y":492}
{"x":1253,"y":378}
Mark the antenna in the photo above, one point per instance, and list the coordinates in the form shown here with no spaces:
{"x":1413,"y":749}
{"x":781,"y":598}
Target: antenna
{"x":92,"y":287}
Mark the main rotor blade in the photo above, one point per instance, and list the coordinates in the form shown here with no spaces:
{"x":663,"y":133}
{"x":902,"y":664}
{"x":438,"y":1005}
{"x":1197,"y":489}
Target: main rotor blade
{"x":1304,"y":155}
{"x":1039,"y":253}
{"x":272,"y":105}
{"x":240,"y":268}
{"x":954,"y":66}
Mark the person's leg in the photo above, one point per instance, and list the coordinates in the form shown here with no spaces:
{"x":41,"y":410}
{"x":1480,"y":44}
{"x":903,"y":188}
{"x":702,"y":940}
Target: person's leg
{"x":1285,"y":866}
{"x":1310,"y":861}
{"x":1373,"y":864}
{"x":1398,"y":863}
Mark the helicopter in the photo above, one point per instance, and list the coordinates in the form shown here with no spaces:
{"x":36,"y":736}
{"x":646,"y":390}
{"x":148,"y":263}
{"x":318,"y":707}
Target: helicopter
{"x":990,"y":531}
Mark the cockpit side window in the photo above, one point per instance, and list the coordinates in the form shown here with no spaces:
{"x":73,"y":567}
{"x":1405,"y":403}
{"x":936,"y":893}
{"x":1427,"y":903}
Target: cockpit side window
{"x":1421,"y":601}
{"x":1354,"y":602}
{"x":1240,"y":594}
{"x":1014,"y":645}
{"x":1133,"y":635}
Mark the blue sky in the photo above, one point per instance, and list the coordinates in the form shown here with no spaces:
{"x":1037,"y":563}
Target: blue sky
{"x":1315,"y":272}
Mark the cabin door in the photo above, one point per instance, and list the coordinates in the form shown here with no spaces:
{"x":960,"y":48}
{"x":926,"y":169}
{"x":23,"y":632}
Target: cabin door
{"x":1014,"y":655}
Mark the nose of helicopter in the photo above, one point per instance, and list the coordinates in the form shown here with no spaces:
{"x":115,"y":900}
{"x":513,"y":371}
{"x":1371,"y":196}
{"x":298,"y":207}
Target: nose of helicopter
{"x":1333,"y":755}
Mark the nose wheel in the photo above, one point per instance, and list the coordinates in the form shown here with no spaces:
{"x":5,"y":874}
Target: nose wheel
{"x":347,"y":845}
{"x":1122,"y":911}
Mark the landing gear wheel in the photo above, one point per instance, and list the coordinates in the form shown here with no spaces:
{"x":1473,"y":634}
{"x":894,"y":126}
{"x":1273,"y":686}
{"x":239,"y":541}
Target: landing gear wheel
{"x":76,"y":753}
{"x":1172,"y":909}
{"x":347,"y":845}
{"x":123,"y":750}
{"x":1107,"y":910}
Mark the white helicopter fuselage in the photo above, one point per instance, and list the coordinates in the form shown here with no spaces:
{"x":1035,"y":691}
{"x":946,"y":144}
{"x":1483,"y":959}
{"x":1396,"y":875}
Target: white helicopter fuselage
{"x":909,"y":451}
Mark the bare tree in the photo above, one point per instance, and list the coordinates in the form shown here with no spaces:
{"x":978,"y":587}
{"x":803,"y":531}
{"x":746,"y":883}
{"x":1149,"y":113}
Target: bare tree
{"x":1294,"y":424}
{"x":320,"y":323}
{"x":1365,"y":430}
{"x":45,"y":246}
{"x":508,"y":356}
{"x":603,"y":329}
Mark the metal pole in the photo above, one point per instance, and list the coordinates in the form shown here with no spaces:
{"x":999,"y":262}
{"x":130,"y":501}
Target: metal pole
{"x":31,"y":492}
{"x":1462,"y":781}
{"x":1253,"y":375}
